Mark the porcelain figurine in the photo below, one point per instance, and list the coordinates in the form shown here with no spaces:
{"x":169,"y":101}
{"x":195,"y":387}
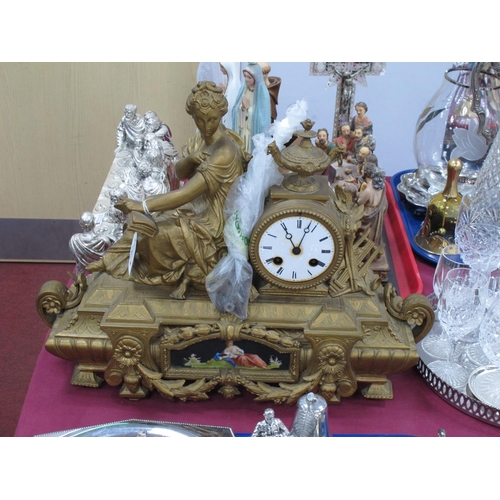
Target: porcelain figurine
{"x":372,"y":196}
{"x":252,"y":111}
{"x":273,"y":84}
{"x":361,"y":120}
{"x":231,"y":88}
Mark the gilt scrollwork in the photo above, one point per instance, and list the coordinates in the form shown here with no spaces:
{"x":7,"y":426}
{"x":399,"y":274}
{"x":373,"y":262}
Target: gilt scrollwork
{"x":416,"y":310}
{"x":175,"y":335}
{"x":355,"y":274}
{"x":53,"y":298}
{"x":171,"y":389}
{"x":126,"y":367}
{"x":260,"y":332}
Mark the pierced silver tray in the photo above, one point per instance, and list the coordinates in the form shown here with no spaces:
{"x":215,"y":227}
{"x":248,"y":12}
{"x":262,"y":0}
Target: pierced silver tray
{"x":463,"y":402}
{"x":484,"y":385}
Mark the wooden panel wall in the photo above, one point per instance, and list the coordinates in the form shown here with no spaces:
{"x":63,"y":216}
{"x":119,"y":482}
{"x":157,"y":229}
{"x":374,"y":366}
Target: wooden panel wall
{"x":58,"y":123}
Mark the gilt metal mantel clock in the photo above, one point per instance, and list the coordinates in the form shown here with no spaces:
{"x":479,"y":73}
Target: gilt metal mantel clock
{"x":320,"y":319}
{"x":296,"y":245}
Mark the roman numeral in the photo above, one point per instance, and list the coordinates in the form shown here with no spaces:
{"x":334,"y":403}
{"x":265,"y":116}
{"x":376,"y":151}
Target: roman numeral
{"x":310,"y":272}
{"x":272,"y":235}
{"x":267,"y":248}
{"x":322,"y":264}
{"x":323,"y":239}
{"x":269,"y":261}
{"x":324,"y":251}
{"x":299,"y":223}
{"x":279,"y":271}
{"x":294,"y":275}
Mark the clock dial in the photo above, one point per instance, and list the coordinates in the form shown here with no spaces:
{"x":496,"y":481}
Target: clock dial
{"x":296,"y":248}
{"x":296,"y":245}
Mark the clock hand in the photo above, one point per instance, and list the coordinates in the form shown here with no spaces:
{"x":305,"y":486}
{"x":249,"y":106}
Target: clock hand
{"x":288,"y":235}
{"x":306,"y":230}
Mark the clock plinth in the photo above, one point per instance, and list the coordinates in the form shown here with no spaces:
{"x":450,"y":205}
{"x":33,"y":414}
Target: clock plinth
{"x":137,"y":338}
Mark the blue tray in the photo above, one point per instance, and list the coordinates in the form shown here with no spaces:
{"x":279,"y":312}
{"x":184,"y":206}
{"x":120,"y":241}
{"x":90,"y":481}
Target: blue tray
{"x":412,"y":216}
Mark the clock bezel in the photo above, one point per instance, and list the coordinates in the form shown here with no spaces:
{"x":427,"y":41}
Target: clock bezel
{"x":295,"y":208}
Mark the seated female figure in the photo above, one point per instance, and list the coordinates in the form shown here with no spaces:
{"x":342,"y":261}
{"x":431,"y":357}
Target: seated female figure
{"x":188,"y":239}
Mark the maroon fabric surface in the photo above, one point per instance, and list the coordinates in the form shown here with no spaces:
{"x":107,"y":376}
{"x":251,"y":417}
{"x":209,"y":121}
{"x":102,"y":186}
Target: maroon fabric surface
{"x":22,"y":332}
{"x":53,"y":404}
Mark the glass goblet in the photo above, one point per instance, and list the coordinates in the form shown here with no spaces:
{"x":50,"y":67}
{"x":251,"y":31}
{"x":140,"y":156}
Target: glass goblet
{"x":461,"y":307}
{"x":479,"y":245}
{"x":465,"y":213}
{"x":494,"y":287}
{"x":489,"y":333}
{"x":449,"y":259}
{"x":436,"y":343}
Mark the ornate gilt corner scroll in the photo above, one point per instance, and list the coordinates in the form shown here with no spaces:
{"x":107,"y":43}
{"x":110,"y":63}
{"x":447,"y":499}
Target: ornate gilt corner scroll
{"x":416,"y":310}
{"x":53,"y":298}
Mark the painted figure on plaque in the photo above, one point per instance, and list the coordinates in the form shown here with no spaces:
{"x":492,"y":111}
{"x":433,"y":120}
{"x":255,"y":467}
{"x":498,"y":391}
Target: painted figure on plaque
{"x":361,"y":120}
{"x":236,"y":356}
{"x":181,"y":243}
{"x":271,"y":426}
{"x":130,"y":129}
{"x":231,"y":88}
{"x":252,"y":112}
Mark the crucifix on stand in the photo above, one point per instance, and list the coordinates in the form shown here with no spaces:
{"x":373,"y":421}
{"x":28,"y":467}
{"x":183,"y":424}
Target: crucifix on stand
{"x":345,"y":75}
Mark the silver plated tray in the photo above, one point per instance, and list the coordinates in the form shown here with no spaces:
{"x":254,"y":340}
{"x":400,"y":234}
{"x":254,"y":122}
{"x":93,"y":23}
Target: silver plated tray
{"x":144,"y":428}
{"x":484,"y":384}
{"x":420,"y":185}
{"x":463,"y":402}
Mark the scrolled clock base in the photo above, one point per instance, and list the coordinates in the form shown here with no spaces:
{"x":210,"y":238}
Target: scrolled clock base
{"x":137,"y":338}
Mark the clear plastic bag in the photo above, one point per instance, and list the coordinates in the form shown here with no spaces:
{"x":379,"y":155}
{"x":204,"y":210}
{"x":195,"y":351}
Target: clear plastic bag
{"x":229,"y":284}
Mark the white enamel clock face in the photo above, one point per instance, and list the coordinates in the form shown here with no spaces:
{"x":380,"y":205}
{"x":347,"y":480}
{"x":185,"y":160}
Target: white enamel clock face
{"x":296,"y":248}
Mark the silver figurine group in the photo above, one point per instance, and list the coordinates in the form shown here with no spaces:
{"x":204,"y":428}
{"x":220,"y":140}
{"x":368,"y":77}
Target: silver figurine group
{"x":144,"y":163}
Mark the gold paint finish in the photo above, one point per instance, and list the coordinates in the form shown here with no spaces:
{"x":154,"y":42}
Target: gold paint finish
{"x":323,"y":334}
{"x":332,"y":343}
